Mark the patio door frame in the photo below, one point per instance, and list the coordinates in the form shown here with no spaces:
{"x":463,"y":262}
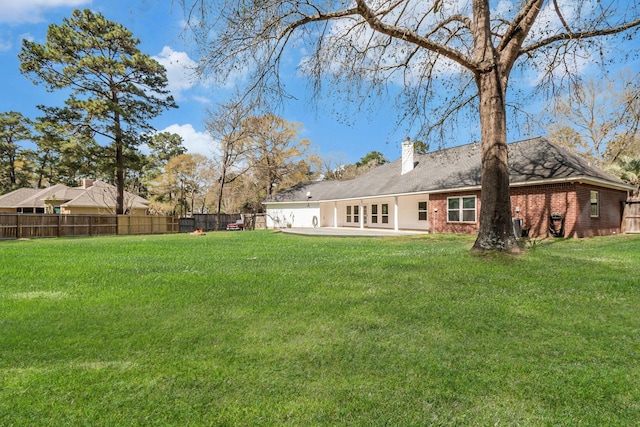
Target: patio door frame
{"x":365,"y":216}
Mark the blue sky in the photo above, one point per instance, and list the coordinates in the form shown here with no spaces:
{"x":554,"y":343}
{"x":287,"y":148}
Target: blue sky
{"x":159,"y":26}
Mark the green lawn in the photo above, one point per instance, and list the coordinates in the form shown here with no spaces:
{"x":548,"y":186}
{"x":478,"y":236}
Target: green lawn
{"x":261,"y":328}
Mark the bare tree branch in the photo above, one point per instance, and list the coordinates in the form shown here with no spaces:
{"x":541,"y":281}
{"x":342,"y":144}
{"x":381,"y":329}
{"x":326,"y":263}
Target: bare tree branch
{"x":580,"y":35}
{"x":412,"y":37}
{"x":414,"y":50}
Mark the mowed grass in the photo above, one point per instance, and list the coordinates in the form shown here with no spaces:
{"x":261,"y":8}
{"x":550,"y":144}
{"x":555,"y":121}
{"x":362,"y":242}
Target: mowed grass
{"x":261,"y":328}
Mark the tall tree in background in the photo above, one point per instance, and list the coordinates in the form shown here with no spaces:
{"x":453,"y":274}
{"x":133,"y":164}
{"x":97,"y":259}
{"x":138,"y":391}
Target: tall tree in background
{"x":278,"y":159}
{"x":409,"y":46}
{"x":598,"y":120}
{"x":372,"y":159}
{"x":336,"y":170}
{"x":64,"y":154}
{"x":628,"y":169}
{"x":184,"y":184}
{"x":14,"y":127}
{"x":116,"y":88}
{"x":163,"y":146}
{"x":226,"y":125}
{"x":49,"y":138}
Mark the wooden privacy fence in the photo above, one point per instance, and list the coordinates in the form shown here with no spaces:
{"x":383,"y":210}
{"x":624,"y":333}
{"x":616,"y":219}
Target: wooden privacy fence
{"x":128,"y":224}
{"x":31,"y":226}
{"x":207,"y":222}
{"x":631,"y":217}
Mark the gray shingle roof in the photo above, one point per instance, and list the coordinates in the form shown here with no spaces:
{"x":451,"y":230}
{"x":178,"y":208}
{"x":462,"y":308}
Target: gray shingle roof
{"x":531,"y":160}
{"x":15,"y":198}
{"x":70,"y":196}
{"x":101,"y":194}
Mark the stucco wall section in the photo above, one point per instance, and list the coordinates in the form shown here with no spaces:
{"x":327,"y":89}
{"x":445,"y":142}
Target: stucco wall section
{"x":292,"y":215}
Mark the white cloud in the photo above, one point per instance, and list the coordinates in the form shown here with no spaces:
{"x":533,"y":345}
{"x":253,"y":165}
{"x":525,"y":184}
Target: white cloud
{"x":21,"y":11}
{"x":548,"y":24}
{"x":195,"y":142}
{"x":4,"y":45}
{"x":350,"y":40}
{"x":26,"y":36}
{"x":180,"y":70}
{"x":201,"y":99}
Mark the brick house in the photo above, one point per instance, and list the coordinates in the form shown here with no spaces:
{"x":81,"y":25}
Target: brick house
{"x":553,"y":193}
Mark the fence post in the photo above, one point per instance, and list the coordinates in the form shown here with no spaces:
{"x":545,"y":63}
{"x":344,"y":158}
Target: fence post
{"x":18,"y":226}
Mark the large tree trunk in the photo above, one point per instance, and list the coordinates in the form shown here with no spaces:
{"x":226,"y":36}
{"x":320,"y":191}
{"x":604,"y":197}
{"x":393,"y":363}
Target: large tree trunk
{"x":222,"y":180}
{"x":496,"y":228}
{"x":119,"y":143}
{"x":119,"y":179}
{"x":12,"y":172}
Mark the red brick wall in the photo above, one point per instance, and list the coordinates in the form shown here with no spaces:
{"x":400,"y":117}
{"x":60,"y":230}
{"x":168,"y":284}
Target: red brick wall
{"x":439,"y":222}
{"x":611,"y":208}
{"x":534,"y":204}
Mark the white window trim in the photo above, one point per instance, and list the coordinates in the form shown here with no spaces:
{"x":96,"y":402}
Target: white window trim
{"x":461,"y":209}
{"x":425,"y":210}
{"x":597,"y":203}
{"x":374,"y":213}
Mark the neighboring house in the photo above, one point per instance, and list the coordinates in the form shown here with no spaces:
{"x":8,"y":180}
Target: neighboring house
{"x":553,"y":192}
{"x":95,"y":198}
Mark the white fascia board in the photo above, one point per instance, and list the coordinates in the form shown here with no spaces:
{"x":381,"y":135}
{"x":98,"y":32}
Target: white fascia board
{"x":299,"y":202}
{"x":583,"y":179}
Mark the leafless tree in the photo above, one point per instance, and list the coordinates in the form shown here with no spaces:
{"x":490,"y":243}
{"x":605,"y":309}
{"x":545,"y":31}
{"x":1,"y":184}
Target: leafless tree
{"x":371,"y":47}
{"x":598,"y":120}
{"x":225,"y":124}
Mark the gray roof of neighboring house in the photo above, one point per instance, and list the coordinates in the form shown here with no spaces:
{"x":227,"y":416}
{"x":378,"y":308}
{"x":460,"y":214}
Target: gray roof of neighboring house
{"x":530,"y":161}
{"x":17,"y":197}
{"x":100,"y":194}
{"x":34,"y":197}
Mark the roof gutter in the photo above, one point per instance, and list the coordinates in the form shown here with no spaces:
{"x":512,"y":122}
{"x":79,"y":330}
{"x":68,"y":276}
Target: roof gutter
{"x":580,"y":180}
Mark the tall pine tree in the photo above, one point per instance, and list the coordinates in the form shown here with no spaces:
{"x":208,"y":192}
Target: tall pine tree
{"x":115,"y":88}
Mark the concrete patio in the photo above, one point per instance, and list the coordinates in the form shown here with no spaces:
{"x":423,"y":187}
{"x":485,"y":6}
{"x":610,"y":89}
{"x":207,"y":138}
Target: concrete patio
{"x":349,"y":232}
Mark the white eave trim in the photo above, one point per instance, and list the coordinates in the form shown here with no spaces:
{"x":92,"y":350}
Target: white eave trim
{"x":315,"y":203}
{"x":581,"y":180}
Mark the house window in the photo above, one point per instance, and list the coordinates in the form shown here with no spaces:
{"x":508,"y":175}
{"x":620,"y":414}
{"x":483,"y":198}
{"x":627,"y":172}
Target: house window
{"x":422,"y":211}
{"x":356,"y":213}
{"x":374,"y":214}
{"x":385,"y":213}
{"x":461,"y":209}
{"x":595,"y":204}
{"x":348,"y":213}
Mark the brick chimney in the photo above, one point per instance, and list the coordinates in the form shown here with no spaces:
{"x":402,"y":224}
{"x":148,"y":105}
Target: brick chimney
{"x":407,"y":156}
{"x":86,"y":183}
